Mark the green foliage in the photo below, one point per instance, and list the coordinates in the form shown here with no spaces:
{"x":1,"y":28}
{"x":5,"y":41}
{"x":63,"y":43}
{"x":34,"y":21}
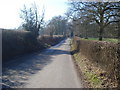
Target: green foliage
{"x":104,"y":39}
{"x":111,"y":40}
{"x":93,"y":79}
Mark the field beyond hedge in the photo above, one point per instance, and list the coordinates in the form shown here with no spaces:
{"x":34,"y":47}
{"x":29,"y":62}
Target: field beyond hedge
{"x":104,"y":39}
{"x":99,"y":62}
{"x":15,"y":43}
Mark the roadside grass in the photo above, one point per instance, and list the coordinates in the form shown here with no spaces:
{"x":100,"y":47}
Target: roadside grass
{"x":92,"y":74}
{"x":47,"y":45}
{"x":111,"y":40}
{"x":93,"y":79}
{"x":104,"y":39}
{"x":90,"y":77}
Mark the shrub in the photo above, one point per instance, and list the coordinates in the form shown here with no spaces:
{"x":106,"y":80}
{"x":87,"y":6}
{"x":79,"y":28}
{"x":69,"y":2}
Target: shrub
{"x":16,"y":42}
{"x":21,"y":42}
{"x":104,"y":54}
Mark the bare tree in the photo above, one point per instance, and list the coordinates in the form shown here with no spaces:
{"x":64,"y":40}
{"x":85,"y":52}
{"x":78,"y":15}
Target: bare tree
{"x":32,"y":21}
{"x":57,"y":26}
{"x":103,"y":13}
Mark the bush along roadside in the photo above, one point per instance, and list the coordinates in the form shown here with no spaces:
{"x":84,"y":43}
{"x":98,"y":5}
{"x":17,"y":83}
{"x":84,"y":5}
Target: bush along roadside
{"x":17,"y":43}
{"x":98,"y":62}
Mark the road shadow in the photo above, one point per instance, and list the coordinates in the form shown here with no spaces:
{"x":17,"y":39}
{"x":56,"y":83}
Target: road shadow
{"x":56,"y":52}
{"x":16,"y":72}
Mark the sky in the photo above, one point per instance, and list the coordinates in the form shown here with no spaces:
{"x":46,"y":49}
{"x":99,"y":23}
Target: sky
{"x":10,"y":10}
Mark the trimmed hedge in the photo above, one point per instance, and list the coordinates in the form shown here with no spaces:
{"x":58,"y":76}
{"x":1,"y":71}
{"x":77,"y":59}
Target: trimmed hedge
{"x":104,"y":54}
{"x":15,"y":43}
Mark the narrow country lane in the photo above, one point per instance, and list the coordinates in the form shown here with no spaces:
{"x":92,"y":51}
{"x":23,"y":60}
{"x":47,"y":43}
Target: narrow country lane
{"x":52,"y":68}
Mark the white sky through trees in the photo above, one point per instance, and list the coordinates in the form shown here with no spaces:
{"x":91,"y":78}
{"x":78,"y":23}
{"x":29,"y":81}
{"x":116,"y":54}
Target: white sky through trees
{"x":10,"y":10}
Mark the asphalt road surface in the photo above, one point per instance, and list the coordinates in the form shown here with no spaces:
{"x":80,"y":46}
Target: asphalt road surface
{"x":52,"y":68}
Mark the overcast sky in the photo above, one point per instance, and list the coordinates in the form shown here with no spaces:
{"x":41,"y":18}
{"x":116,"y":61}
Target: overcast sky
{"x":10,"y":10}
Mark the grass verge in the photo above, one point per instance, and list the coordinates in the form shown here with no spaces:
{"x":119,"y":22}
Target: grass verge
{"x":104,"y":39}
{"x":92,"y":74}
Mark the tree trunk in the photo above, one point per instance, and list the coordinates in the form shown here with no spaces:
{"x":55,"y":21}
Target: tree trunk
{"x":118,"y":30}
{"x":86,"y":35}
{"x":51,"y":34}
{"x":72,"y":34}
{"x":101,"y":33}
